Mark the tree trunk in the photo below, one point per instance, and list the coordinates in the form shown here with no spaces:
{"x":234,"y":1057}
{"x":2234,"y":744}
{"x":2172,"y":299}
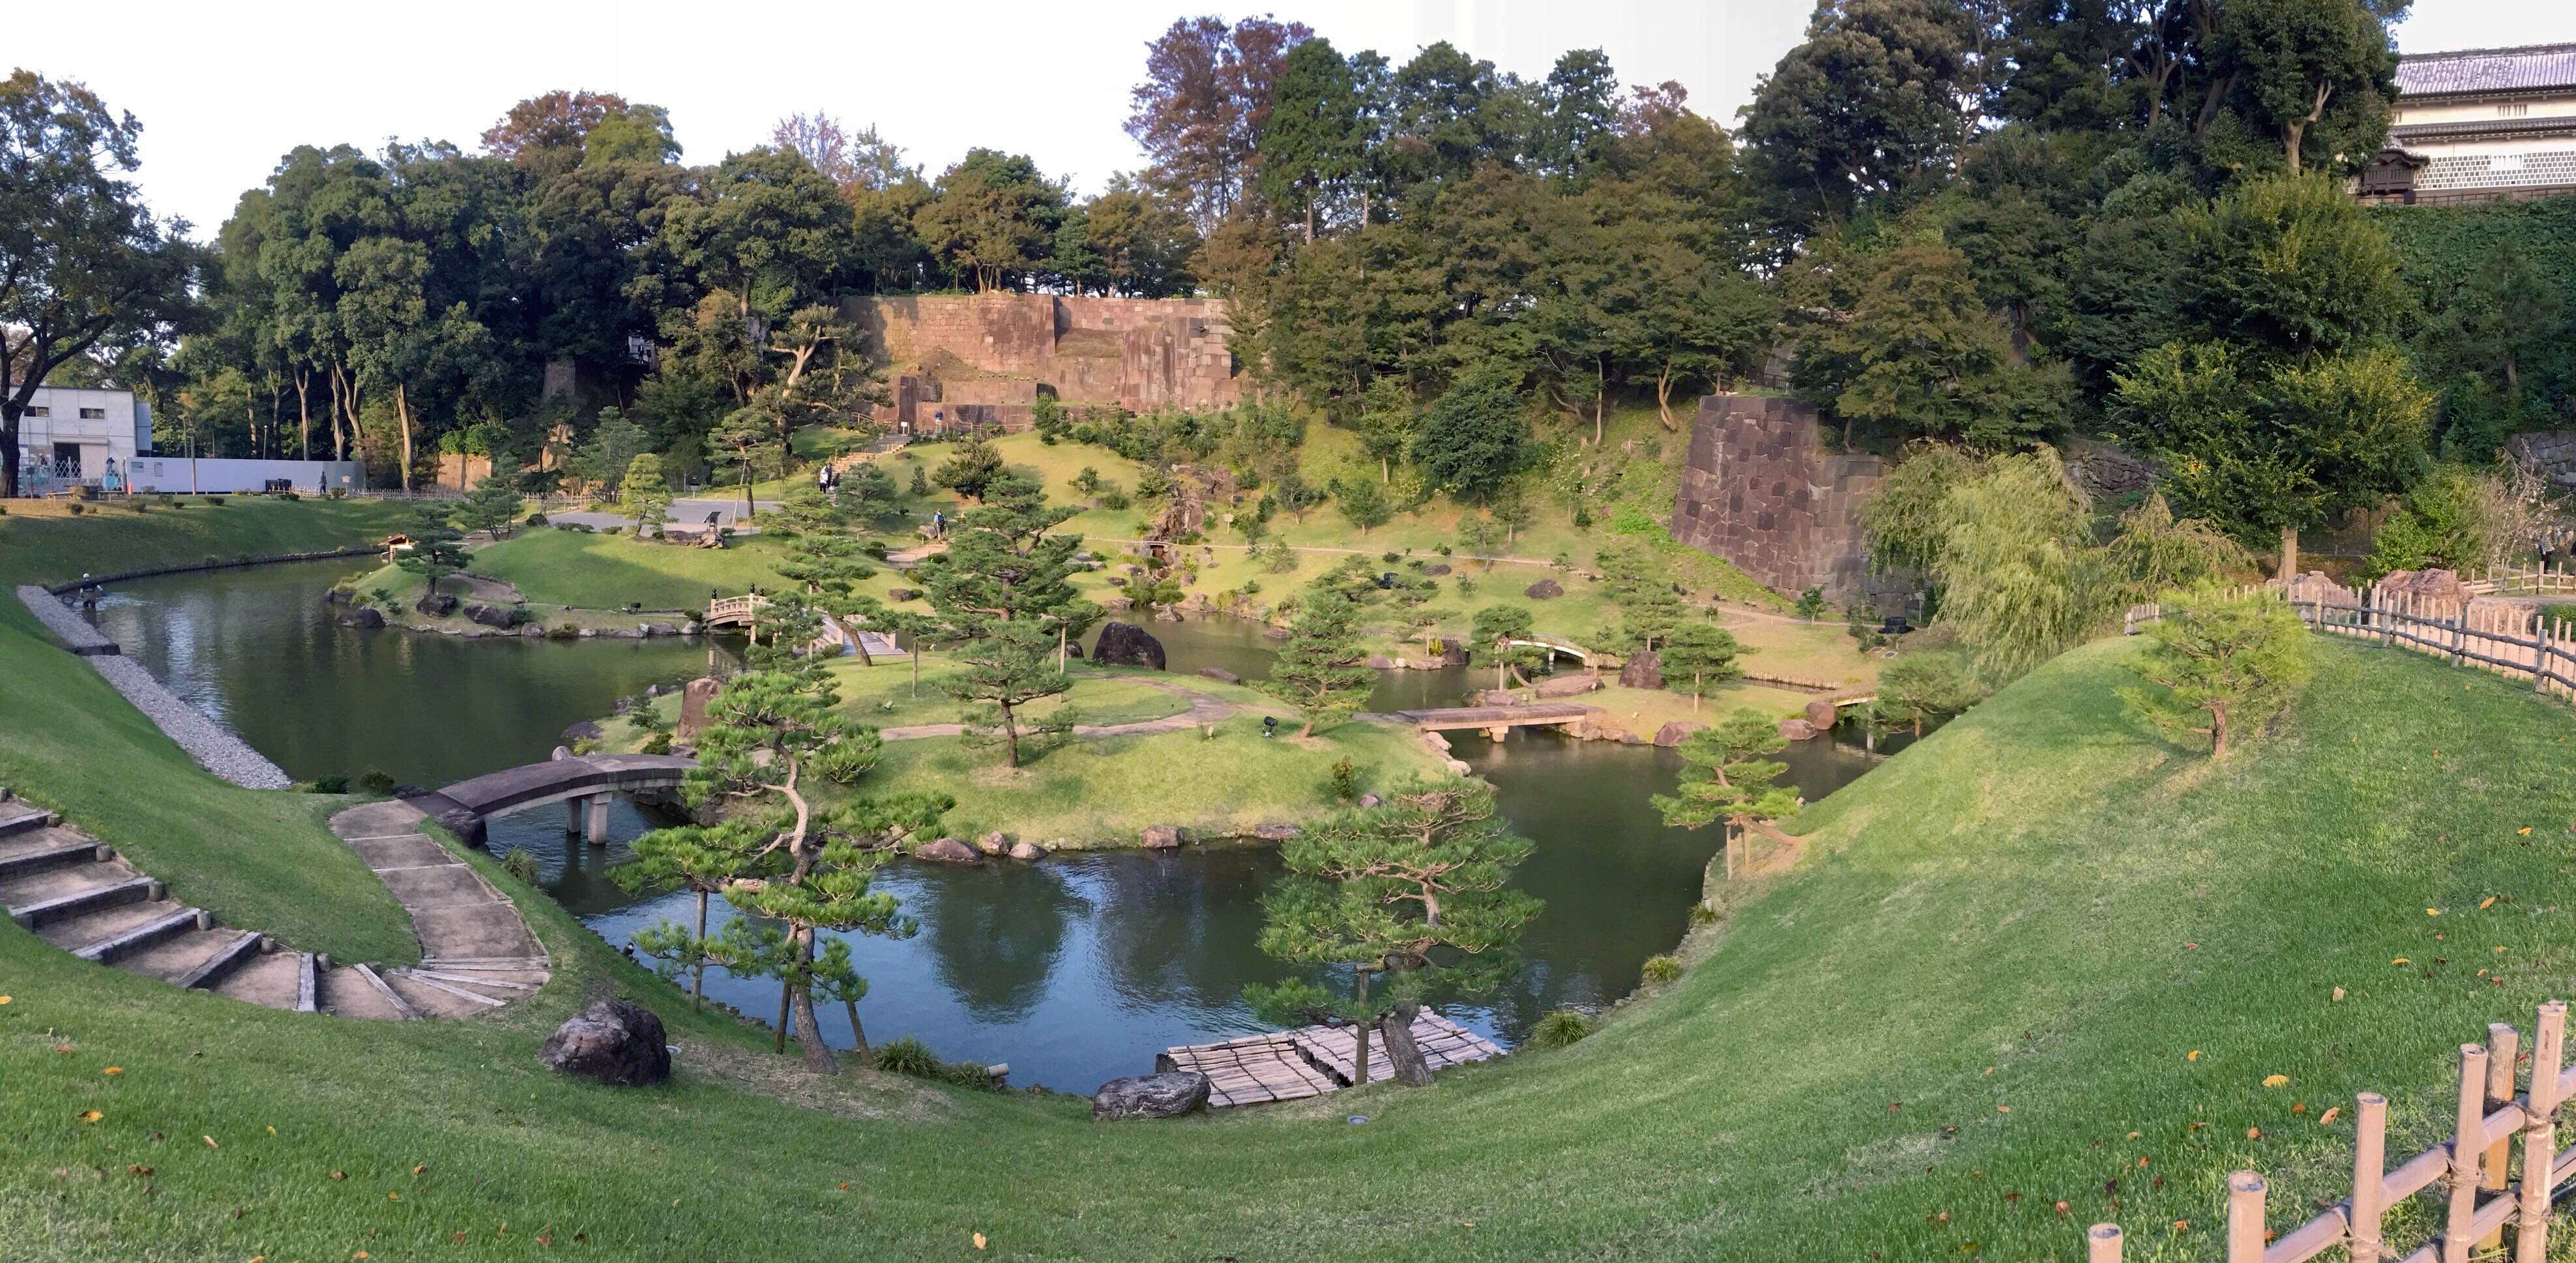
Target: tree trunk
{"x":698,"y":968}
{"x":2218,"y":730}
{"x":781,"y":1042}
{"x":402,"y":416}
{"x":1401,"y":1054}
{"x":857,"y":1032}
{"x":2289,"y":555}
{"x":1664,"y":396}
{"x":304,"y":412}
{"x":1010,"y":736}
{"x":809,"y":1032}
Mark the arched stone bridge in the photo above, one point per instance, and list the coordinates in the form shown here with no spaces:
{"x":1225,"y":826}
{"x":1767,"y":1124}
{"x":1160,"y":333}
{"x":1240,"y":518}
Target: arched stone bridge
{"x":584,"y":780}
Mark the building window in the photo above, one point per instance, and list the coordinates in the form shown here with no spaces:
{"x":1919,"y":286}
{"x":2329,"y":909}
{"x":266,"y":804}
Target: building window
{"x":93,"y":414}
{"x":2517,"y":109}
{"x":40,"y":412}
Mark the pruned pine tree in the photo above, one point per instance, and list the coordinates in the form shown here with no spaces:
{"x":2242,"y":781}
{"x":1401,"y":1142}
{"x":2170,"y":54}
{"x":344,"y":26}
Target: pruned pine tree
{"x":1701,"y":653}
{"x":800,"y":868}
{"x":491,"y":507}
{"x":2222,"y":665}
{"x":1727,"y":777}
{"x":1008,"y":666}
{"x":645,"y":494}
{"x":1318,"y":670}
{"x":436,"y":550}
{"x":1414,"y":890}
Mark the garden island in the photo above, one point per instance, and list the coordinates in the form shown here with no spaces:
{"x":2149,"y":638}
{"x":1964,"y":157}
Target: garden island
{"x":1974,"y":662}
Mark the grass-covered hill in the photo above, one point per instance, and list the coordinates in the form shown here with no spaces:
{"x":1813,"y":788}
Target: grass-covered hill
{"x":1978,"y":994}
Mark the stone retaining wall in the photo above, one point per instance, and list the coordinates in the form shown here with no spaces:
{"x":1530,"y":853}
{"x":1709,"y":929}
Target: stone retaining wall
{"x":219,"y":749}
{"x":1762,"y":492}
{"x":986,"y":358}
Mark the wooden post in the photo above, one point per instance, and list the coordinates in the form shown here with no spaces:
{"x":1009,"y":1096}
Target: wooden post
{"x":2539,"y":655}
{"x":2102,"y":1244}
{"x":2460,"y":634}
{"x":2369,"y":1175}
{"x":2503,"y":1043}
{"x":2245,"y":1217}
{"x":2468,"y":1137}
{"x":2539,"y":1136}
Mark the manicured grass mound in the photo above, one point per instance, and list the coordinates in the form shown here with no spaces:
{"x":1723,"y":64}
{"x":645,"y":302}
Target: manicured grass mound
{"x":605,"y":570}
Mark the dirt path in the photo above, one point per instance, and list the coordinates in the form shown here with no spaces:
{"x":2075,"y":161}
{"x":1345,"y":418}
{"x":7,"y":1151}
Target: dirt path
{"x":1203,"y":710}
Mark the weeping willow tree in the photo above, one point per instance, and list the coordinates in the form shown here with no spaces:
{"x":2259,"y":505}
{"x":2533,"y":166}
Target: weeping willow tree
{"x":2155,"y":554}
{"x":2021,"y":577}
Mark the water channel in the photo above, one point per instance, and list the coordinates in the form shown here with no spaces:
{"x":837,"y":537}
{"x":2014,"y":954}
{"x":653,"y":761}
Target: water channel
{"x":1073,"y":970}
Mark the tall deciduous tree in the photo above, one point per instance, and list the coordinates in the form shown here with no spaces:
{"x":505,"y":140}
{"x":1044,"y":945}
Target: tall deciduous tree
{"x":86,"y":271}
{"x":1205,"y":100}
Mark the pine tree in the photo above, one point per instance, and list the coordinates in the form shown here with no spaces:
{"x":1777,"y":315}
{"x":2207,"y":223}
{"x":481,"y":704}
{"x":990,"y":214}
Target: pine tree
{"x":1414,"y":890}
{"x":1010,"y":664}
{"x":644,"y":494}
{"x":1648,"y":612}
{"x":1727,"y":779}
{"x":2222,"y":665}
{"x":972,"y":468}
{"x":1701,"y":651}
{"x":491,"y":507}
{"x":772,"y":735}
{"x":1925,"y":683}
{"x":1501,"y":633}
{"x":1318,"y":670}
{"x":435,"y":550}
{"x":1363,"y":503}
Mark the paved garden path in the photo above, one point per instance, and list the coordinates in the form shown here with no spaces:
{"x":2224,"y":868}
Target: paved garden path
{"x":476,"y":951}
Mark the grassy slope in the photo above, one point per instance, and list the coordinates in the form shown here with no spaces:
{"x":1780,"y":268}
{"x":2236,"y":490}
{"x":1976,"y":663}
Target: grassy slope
{"x":258,"y":860}
{"x":1998,"y":917}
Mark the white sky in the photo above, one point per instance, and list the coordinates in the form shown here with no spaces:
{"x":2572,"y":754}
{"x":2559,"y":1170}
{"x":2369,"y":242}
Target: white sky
{"x":224,"y":90}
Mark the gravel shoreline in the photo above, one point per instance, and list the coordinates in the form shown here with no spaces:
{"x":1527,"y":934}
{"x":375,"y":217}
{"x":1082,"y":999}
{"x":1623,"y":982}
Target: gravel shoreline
{"x":218,"y":748}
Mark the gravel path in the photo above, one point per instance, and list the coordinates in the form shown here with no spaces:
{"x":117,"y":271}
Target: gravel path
{"x":217,"y":747}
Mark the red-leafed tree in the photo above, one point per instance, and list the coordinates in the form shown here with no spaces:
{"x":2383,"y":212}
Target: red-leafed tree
{"x":1205,"y":99}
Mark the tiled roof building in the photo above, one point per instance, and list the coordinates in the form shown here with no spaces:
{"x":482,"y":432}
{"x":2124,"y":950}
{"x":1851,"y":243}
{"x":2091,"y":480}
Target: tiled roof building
{"x":2483,"y":124}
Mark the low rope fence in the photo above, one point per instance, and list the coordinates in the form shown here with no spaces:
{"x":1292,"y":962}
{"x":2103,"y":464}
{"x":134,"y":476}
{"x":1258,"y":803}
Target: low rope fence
{"x":2514,"y":641}
{"x":2482,"y":1190}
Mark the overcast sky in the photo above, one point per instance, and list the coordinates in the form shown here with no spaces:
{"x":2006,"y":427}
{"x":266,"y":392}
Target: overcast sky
{"x":224,"y":90}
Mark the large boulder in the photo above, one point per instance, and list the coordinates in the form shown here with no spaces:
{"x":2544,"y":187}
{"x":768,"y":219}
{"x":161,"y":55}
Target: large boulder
{"x":582,"y":730}
{"x":2425,"y":587}
{"x":1822,"y":715}
{"x":1221,"y":674}
{"x":1026,"y":851}
{"x":1543,"y":590}
{"x":1675,"y":733}
{"x":1495,"y":697}
{"x":1568,"y":685}
{"x":1164,"y":837}
{"x":1378,"y":662}
{"x":1436,"y":568}
{"x":363,"y":616}
{"x":613,"y":1042}
{"x":1644,"y":670}
{"x":1274,"y":832}
{"x":693,"y":705}
{"x":948,"y":851}
{"x":1798,"y":730}
{"x":1127,"y":645}
{"x":435,"y":604}
{"x":1167,"y":1095}
{"x":994,"y":843}
{"x":493,"y":615}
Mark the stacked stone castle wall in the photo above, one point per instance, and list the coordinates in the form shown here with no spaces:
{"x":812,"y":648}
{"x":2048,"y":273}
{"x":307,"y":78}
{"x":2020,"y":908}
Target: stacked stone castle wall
{"x":986,"y":358}
{"x":1762,"y":491}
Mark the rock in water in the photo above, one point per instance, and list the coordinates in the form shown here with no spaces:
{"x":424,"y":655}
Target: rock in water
{"x":363,"y":616}
{"x":1274,"y":832}
{"x":1543,"y":590}
{"x":1642,"y":671}
{"x":612,"y":1041}
{"x":948,"y":851}
{"x":493,"y":615}
{"x":994,"y":843}
{"x":582,"y":730}
{"x":1672,"y":734}
{"x":1127,"y":645}
{"x":1221,"y":674}
{"x":1163,"y":837}
{"x":1568,"y":685}
{"x":1027,"y":851}
{"x":1167,"y":1095}
{"x":1822,"y":714}
{"x":1797,"y":730}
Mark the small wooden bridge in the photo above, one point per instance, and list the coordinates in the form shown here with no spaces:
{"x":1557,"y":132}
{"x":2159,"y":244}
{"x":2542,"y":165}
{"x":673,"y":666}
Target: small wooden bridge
{"x":586,"y":781}
{"x":1314,"y":1060}
{"x":1498,"y":720}
{"x":836,"y":640}
{"x":1558,"y":645}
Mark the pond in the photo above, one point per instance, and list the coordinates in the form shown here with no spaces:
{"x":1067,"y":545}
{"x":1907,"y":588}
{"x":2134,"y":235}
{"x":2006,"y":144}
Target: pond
{"x":1073,"y":970}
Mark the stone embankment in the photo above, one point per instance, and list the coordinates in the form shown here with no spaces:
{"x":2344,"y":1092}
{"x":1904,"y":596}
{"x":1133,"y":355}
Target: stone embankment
{"x":218,"y":748}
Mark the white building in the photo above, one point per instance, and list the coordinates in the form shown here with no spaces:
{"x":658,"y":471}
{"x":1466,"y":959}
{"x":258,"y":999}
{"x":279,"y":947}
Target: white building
{"x":71,"y":436}
{"x":2479,"y":125}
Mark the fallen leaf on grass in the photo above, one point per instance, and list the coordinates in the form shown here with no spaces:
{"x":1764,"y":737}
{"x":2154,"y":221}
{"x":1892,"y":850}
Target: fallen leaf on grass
{"x":2525,"y":831}
{"x":2432,"y":912}
{"x":210,"y":1142}
{"x":2193,"y":1055}
{"x":339,"y":1175}
{"x":2134,"y":1135}
{"x":392,"y":1196}
{"x":456,"y":1238}
{"x":138,"y":1169}
{"x":4,"y":999}
{"x":2275,"y":1080}
{"x":2003,"y":1109}
{"x":2338,"y":995}
{"x":2253,"y":1133}
{"x":91,"y":1116}
{"x":2399,"y":961}
{"x":2486,"y":903}
{"x":113,"y":1070}
{"x":2332,"y":1113}
{"x":979,"y":1241}
{"x":2061,"y":1208}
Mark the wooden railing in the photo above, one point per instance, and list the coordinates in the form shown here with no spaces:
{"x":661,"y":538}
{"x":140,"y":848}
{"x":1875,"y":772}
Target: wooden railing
{"x":2509,"y":640}
{"x":2483,"y":1194}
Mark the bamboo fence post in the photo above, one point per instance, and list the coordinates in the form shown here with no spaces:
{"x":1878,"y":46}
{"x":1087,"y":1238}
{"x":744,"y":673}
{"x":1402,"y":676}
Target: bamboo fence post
{"x":2503,"y":1043}
{"x":2369,"y":1175}
{"x":2102,"y":1244}
{"x":2467,"y":1138}
{"x":2245,"y":1217}
{"x":2539,"y":655}
{"x":2539,"y":1137}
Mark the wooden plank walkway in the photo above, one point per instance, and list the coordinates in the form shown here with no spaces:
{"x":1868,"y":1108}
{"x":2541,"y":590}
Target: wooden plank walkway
{"x":1254,"y":1070}
{"x":1313,"y":1060}
{"x":1494,"y":716}
{"x":1443,"y":1043}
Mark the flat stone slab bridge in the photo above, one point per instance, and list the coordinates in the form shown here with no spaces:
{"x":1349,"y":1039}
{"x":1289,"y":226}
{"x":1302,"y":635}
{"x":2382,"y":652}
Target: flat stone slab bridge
{"x":586,"y":781}
{"x":1497,"y":720}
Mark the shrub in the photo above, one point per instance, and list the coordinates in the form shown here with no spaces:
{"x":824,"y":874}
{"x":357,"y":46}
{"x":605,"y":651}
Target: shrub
{"x":907,"y":1056}
{"x":1390,"y":558}
{"x":658,"y":743}
{"x":1703,"y":914}
{"x":1442,"y":549}
{"x":1346,"y":779}
{"x":139,"y":506}
{"x":537,"y":518}
{"x":1561,"y":1028}
{"x":289,"y":495}
{"x":217,"y":501}
{"x":330,"y":785}
{"x":522,"y":864}
{"x":77,"y":508}
{"x":376,"y":783}
{"x":169,"y":501}
{"x":1660,"y":970}
{"x":1115,"y":500}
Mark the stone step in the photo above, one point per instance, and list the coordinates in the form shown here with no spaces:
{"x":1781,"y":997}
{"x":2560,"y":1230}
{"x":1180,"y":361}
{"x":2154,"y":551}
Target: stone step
{"x":516,"y":981}
{"x":132,"y":939}
{"x":227,"y":960}
{"x":271,"y":980}
{"x":341,"y":992}
{"x":57,"y":854}
{"x":437,"y":997}
{"x":44,"y":839}
{"x":18,"y":817}
{"x":59,"y":905}
{"x":44,"y":885}
{"x":369,"y":981}
{"x":176,"y":957}
{"x":308,"y":984}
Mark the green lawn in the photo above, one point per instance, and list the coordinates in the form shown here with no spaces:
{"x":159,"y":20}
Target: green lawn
{"x":2041,"y":908}
{"x":608,"y":571}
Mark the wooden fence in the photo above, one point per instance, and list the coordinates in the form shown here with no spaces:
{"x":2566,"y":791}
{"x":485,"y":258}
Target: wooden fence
{"x":2513,"y":641}
{"x":2483,"y":1192}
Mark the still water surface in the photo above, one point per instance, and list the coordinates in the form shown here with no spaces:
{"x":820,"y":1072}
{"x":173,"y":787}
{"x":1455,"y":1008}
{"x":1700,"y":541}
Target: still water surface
{"x":1073,"y":970}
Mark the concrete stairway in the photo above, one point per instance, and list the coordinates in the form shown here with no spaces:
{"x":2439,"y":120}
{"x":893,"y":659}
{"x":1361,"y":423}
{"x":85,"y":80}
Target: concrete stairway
{"x":76,"y":893}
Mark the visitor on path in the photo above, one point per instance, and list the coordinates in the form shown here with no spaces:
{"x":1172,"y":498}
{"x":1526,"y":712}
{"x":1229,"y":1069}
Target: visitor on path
{"x":939,"y":524}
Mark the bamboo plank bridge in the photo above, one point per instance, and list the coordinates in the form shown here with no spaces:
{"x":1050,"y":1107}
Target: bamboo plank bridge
{"x":1313,"y":1060}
